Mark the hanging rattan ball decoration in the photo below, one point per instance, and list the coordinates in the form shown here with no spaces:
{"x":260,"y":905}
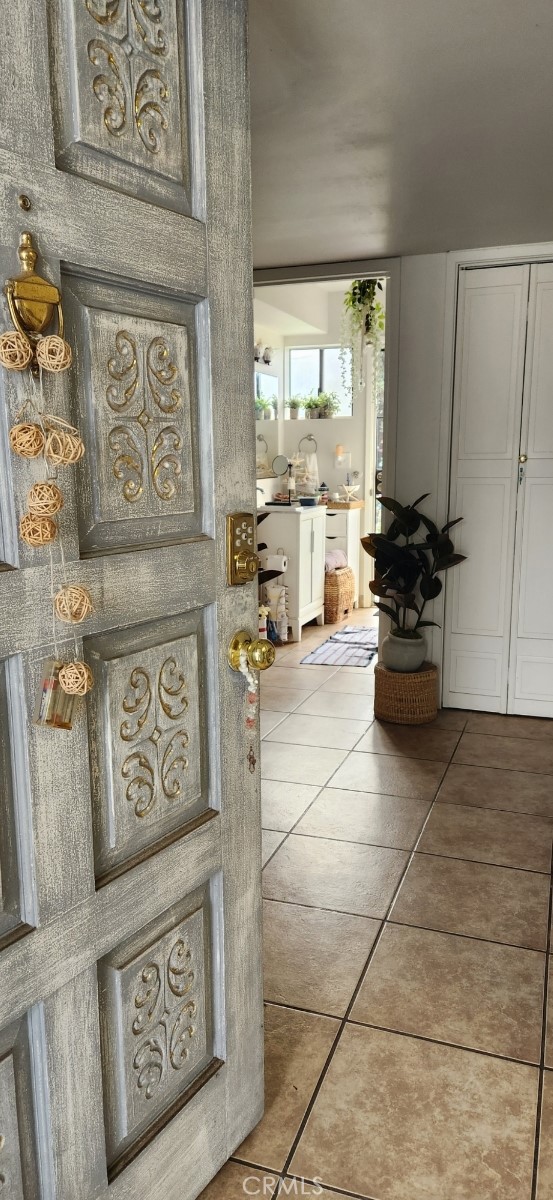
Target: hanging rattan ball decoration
{"x":37,"y":530}
{"x":64,"y":447}
{"x":72,"y":604}
{"x":53,"y":353}
{"x":76,"y":678}
{"x":15,"y":351}
{"x":27,"y":440}
{"x":45,"y":499}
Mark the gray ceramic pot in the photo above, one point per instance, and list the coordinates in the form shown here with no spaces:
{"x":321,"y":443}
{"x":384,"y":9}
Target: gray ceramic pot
{"x":403,"y":654}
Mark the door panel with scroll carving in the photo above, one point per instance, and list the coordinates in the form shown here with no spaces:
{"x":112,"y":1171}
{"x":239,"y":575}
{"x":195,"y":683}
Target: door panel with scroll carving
{"x":130,"y":982}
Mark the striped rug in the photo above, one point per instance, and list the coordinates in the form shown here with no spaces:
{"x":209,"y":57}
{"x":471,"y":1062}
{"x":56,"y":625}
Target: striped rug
{"x":353,"y":646}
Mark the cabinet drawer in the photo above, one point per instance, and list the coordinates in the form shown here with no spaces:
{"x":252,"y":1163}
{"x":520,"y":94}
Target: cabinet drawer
{"x":336,"y":543}
{"x":336,"y":523}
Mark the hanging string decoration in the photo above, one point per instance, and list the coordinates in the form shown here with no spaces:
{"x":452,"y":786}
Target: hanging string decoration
{"x":64,"y":446}
{"x":27,"y":440}
{"x":16,"y":352}
{"x":36,"y":530}
{"x":45,"y":499}
{"x":53,"y":353}
{"x":72,"y":604}
{"x":76,"y":678}
{"x":33,"y":302}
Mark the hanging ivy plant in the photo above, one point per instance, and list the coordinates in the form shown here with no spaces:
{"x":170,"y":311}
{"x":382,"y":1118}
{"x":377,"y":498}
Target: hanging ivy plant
{"x":363,"y":324}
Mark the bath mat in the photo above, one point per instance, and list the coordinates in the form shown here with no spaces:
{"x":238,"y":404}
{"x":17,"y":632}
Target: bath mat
{"x":353,"y":646}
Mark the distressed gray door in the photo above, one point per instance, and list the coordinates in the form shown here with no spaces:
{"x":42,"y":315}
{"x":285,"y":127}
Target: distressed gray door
{"x":130,"y":1000}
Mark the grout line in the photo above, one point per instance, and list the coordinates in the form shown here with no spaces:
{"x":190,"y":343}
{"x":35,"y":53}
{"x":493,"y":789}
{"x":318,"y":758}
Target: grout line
{"x":434,"y":1041}
{"x":539,"y":1106}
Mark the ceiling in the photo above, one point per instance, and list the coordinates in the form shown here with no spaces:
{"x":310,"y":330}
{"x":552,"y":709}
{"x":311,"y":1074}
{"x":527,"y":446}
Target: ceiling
{"x":385,"y":127}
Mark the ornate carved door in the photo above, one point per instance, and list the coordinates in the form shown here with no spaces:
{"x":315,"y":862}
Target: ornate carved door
{"x":130,"y":998}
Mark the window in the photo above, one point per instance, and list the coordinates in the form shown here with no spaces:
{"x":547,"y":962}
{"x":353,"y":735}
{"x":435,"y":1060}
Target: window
{"x":315,"y":369}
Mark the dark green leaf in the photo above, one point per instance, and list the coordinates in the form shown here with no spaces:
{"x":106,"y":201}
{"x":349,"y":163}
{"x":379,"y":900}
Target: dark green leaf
{"x":385,"y":608}
{"x":430,"y":587}
{"x":450,"y":524}
{"x":427,"y":624}
{"x":416,"y":503}
{"x":450,"y":561}
{"x":429,"y":525}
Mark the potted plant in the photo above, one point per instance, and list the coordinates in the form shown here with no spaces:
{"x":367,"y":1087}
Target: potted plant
{"x":407,"y":564}
{"x":312,"y":408}
{"x":329,"y":404}
{"x":363,"y":323}
{"x":295,"y":405}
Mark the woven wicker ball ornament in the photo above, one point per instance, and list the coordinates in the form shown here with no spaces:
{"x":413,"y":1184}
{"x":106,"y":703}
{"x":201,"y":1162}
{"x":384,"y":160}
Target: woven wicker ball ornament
{"x":53,"y":353}
{"x":15,"y":351}
{"x":72,"y":604}
{"x":37,"y":530}
{"x":76,"y":678}
{"x":45,"y":499}
{"x":64,"y":447}
{"x":27,"y":440}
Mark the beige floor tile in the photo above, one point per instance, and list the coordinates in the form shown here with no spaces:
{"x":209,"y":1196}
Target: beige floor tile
{"x":483,"y":835}
{"x":549,"y":1024}
{"x":545,"y":1163}
{"x":268,"y":719}
{"x":270,"y":840}
{"x":313,"y":958}
{"x":360,"y":683}
{"x":299,"y":764}
{"x":427,"y":983}
{"x":282,"y":804}
{"x":336,"y":875}
{"x":299,"y":1187}
{"x":390,"y":775}
{"x":297,"y":677}
{"x":331,"y":704}
{"x":336,"y":732}
{"x":402,"y":1119}
{"x":422,"y":742}
{"x":235,"y":1182}
{"x":537,"y":729}
{"x":507,"y":753}
{"x":297,"y":1045}
{"x":450,"y":718}
{"x":282,"y":699}
{"x":366,"y":817}
{"x":488,"y":787}
{"x":497,"y":903}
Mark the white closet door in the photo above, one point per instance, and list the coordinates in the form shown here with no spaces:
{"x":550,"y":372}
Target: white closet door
{"x":531,"y":660}
{"x":490,"y":348}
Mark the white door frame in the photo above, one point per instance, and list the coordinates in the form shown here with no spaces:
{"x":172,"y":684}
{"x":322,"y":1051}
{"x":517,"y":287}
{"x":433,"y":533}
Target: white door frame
{"x":493,"y":256}
{"x":390,"y":269}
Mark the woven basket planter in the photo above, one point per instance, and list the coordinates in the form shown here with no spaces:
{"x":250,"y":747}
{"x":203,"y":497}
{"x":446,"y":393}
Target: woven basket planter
{"x":339,"y":593}
{"x":406,"y":698}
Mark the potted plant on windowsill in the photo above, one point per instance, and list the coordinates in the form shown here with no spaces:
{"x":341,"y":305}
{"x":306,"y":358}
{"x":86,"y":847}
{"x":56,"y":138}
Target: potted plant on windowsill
{"x":407,"y":564}
{"x":329,"y":404}
{"x":295,"y":405}
{"x":312,"y":408}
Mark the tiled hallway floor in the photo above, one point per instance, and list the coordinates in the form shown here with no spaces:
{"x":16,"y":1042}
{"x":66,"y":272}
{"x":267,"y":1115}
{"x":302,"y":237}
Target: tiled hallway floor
{"x":407,"y":911}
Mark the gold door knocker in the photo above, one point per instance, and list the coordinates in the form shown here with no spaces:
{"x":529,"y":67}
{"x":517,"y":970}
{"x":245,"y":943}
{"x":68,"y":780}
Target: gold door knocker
{"x":33,"y":301}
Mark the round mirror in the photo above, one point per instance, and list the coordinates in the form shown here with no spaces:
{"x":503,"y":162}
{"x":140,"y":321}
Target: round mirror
{"x":280,"y":464}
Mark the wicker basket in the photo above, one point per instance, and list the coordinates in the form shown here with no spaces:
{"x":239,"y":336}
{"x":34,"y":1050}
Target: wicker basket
{"x":406,"y":698}
{"x":339,"y":593}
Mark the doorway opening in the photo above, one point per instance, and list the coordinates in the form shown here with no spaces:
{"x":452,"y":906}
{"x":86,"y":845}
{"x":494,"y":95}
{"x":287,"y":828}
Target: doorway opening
{"x":322,"y":398}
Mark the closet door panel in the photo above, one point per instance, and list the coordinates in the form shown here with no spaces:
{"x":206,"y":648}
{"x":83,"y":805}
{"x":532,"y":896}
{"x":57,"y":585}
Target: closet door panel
{"x":490,"y":347}
{"x":531,"y":669}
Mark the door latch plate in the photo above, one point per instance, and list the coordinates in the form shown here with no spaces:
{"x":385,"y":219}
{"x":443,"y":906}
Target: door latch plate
{"x":242,"y":560}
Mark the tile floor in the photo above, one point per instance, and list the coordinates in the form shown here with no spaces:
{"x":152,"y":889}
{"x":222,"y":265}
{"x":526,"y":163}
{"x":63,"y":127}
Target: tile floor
{"x":407,"y":875}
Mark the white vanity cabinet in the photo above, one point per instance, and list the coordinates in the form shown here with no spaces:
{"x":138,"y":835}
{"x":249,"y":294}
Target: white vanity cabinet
{"x":300,"y":534}
{"x":343,"y":532}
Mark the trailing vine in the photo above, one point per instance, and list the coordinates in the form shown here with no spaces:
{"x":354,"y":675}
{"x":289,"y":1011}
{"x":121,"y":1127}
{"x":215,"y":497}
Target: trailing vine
{"x":363,"y":323}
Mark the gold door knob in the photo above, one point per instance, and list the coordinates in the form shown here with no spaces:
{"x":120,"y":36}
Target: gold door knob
{"x":522,"y":458}
{"x":259,"y":652}
{"x":246,"y":565}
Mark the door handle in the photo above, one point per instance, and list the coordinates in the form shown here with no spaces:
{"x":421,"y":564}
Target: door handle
{"x":260,"y":653}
